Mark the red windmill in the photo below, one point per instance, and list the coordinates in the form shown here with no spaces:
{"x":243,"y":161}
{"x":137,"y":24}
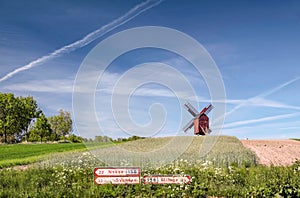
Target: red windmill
{"x":200,"y":120}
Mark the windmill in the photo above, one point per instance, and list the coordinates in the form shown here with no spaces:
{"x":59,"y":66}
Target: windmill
{"x":200,"y":120}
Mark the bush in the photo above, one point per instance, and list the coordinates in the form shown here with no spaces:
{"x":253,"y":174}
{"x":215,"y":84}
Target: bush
{"x":75,"y":139}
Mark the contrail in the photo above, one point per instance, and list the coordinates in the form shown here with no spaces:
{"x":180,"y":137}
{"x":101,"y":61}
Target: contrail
{"x":132,"y":13}
{"x":270,"y":118}
{"x":262,"y":95}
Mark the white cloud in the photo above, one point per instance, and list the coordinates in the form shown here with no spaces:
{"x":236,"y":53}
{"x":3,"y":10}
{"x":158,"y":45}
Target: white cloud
{"x":108,"y":82}
{"x":138,"y":80}
{"x":271,"y":103}
{"x":260,"y":120}
{"x":271,"y":130}
{"x":260,"y":97}
{"x":49,"y":86}
{"x":131,"y":14}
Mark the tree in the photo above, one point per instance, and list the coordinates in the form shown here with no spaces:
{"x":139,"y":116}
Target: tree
{"x":54,"y":123}
{"x":42,"y":128}
{"x":61,"y":124}
{"x":74,"y":138}
{"x":10,"y":109}
{"x":103,"y":139}
{"x":29,"y":112}
{"x":16,"y":115}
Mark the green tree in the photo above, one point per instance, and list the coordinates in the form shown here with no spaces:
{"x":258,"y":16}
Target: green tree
{"x":54,"y":122}
{"x":103,"y":139}
{"x":74,"y":138}
{"x":29,"y":111}
{"x":61,"y":124}
{"x":10,"y":109}
{"x":16,"y":115}
{"x":42,"y":127}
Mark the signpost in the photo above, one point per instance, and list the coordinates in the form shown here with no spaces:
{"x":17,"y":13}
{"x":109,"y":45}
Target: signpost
{"x":109,"y":175}
{"x":117,"y":180}
{"x":167,"y":179}
{"x":132,"y":175}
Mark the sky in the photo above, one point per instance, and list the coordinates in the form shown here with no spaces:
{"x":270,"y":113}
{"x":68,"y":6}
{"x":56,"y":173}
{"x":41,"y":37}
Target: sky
{"x":253,"y":44}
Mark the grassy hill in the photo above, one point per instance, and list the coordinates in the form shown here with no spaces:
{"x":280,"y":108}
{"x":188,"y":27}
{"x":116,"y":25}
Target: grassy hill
{"x":149,"y":152}
{"x":218,"y":150}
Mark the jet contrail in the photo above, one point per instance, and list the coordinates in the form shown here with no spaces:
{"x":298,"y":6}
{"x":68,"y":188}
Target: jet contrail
{"x":132,"y":13}
{"x":262,"y":95}
{"x":264,"y":119}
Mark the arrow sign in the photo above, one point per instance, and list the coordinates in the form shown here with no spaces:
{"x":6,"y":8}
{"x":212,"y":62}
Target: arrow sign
{"x":167,"y":179}
{"x":118,"y":175}
{"x":117,"y":180}
{"x":131,"y":171}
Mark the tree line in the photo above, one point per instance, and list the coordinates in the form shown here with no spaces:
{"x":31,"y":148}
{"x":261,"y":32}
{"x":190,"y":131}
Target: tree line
{"x":109,"y":139}
{"x":22,"y":120}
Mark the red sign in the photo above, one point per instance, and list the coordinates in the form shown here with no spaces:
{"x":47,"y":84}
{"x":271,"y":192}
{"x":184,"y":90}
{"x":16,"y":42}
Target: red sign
{"x":132,"y":171}
{"x":118,"y":180}
{"x":119,"y":175}
{"x":167,"y":179}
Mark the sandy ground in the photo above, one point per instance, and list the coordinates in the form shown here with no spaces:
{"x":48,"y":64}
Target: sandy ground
{"x":274,"y":152}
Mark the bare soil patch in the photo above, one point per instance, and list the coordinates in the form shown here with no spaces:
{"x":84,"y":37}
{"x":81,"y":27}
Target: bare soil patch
{"x":274,"y":152}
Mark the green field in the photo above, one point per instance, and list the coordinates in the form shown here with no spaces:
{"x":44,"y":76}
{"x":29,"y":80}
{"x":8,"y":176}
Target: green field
{"x":21,"y":154}
{"x":227,"y":170}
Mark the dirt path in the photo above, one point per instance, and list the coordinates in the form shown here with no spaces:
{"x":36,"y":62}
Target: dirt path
{"x":276,"y":152}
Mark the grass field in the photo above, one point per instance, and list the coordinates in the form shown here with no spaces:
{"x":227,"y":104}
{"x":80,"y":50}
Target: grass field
{"x":21,"y":154}
{"x":221,"y":151}
{"x":219,"y":167}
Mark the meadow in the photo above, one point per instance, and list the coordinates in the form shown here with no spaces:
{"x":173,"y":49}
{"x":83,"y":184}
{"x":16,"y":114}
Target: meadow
{"x":228,"y":170}
{"x":22,"y":154}
{"x":156,"y":152}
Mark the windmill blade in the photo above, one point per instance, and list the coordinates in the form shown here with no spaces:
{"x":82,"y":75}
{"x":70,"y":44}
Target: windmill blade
{"x":209,"y":108}
{"x":206,"y":109}
{"x":191,"y":109}
{"x":189,"y":125}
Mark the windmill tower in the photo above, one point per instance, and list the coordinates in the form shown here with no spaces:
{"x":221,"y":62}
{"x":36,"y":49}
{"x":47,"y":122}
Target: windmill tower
{"x":200,"y":121}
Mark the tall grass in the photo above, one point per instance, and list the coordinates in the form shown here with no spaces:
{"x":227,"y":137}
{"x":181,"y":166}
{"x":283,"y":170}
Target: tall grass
{"x":207,"y":180}
{"x":153,"y":152}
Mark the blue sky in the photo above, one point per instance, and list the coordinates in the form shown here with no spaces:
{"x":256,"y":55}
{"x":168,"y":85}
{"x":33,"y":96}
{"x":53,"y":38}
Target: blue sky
{"x":255,"y":45}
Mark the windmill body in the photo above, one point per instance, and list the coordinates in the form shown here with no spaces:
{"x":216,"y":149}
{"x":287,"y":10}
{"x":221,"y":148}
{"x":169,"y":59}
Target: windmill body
{"x":200,"y":121}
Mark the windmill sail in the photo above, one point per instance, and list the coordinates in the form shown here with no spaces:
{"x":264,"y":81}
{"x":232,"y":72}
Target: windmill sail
{"x":189,"y":125}
{"x":207,"y":109}
{"x":191,"y":109}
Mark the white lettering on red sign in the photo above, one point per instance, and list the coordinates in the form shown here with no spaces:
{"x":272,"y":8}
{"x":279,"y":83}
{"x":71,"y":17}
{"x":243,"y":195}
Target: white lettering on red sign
{"x":117,"y":180}
{"x":167,"y":179}
{"x":119,"y":175}
{"x":117,"y":171}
